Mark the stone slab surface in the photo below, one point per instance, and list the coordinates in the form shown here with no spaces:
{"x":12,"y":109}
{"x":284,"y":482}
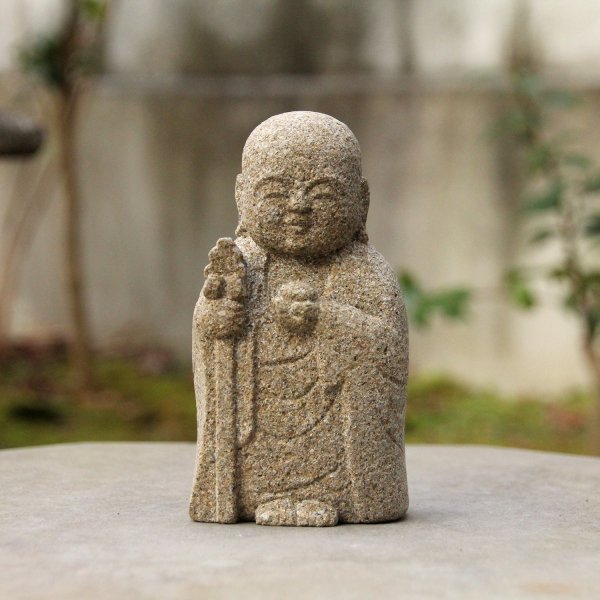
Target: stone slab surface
{"x":110,"y":521}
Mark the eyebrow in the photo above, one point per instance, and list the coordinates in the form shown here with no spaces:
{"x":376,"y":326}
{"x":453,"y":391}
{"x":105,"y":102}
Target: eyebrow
{"x":333,"y":181}
{"x":328,"y":180}
{"x":272,"y":179}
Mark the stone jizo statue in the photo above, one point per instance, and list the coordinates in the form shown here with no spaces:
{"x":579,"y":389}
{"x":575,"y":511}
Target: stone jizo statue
{"x":300,"y":343}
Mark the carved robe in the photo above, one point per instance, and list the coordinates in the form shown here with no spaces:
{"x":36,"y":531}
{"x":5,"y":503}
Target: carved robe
{"x":318,"y":415}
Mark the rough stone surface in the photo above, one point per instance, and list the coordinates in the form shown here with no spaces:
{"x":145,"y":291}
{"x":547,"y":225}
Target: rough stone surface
{"x":105,"y":521}
{"x":300,"y":343}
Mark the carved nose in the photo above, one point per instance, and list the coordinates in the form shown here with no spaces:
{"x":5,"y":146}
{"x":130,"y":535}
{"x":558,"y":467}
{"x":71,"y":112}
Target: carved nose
{"x":299,"y":201}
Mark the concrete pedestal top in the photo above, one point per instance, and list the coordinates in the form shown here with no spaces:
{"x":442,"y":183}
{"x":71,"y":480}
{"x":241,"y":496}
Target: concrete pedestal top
{"x":92,"y":521}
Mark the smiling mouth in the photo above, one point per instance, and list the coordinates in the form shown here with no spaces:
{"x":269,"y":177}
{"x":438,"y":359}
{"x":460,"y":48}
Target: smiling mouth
{"x":297,"y":225}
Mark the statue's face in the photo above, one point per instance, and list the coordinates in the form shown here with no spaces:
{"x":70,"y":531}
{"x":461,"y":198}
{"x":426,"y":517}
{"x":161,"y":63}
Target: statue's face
{"x":308,"y":209}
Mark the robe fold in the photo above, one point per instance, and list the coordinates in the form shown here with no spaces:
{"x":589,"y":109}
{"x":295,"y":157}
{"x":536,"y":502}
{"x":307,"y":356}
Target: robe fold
{"x":317,"y":416}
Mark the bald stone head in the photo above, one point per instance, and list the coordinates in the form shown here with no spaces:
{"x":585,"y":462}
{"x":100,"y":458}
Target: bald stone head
{"x":301,"y":191}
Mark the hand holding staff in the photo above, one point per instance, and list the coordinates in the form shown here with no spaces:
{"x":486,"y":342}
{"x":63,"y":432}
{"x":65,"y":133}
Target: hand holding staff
{"x":226,"y":285}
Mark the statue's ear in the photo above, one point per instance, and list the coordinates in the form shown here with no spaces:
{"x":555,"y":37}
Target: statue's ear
{"x":240,"y":182}
{"x":365,"y":198}
{"x":239,"y":190}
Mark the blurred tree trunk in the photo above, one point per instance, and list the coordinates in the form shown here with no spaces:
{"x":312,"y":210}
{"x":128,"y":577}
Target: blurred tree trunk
{"x":68,"y":101}
{"x":68,"y":98}
{"x":63,"y":62}
{"x":593,"y":358}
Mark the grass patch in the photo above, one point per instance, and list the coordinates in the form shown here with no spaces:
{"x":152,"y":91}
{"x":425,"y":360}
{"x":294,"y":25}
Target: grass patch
{"x":36,"y":407}
{"x":441,"y":410}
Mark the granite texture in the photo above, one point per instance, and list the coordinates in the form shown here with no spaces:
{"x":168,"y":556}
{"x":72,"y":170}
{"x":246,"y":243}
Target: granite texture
{"x":300,"y":343}
{"x":108,"y":521}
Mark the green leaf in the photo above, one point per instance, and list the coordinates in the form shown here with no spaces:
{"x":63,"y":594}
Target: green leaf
{"x":577,"y":160}
{"x":453,"y":303}
{"x":570,"y":302}
{"x":414,"y":298}
{"x":522,"y":123}
{"x":550,"y":199}
{"x":592,"y":318}
{"x":561,"y":99}
{"x":539,"y":157}
{"x":93,"y":10}
{"x":421,"y":315}
{"x":422,"y":305}
{"x":590,"y":290}
{"x":518,"y":290}
{"x":592,"y":225}
{"x":585,"y":298}
{"x":42,"y":59}
{"x":528,"y":84}
{"x":408,"y":283}
{"x":592,"y":280}
{"x":541,"y":236}
{"x":592,"y":184}
{"x":559,"y":273}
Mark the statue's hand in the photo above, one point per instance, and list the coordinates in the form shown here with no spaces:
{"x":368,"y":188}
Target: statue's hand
{"x":222,"y":313}
{"x":221,"y":318}
{"x":296,"y":307}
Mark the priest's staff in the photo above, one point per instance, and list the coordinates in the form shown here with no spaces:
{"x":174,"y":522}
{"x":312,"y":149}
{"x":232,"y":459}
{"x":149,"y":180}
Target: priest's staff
{"x":226,"y":279}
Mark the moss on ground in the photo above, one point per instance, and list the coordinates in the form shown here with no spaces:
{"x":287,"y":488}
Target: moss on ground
{"x":443,"y":411}
{"x":131,"y":403}
{"x":36,"y":406}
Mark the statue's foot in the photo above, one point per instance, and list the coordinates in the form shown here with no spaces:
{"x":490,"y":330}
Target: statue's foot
{"x":313,"y":513}
{"x":308,"y":513}
{"x":277,"y":512}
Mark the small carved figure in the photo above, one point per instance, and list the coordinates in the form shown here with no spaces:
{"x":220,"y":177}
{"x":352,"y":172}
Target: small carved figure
{"x":300,"y":343}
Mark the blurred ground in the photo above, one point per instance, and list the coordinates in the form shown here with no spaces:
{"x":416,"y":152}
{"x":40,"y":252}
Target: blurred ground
{"x":147,"y":396}
{"x":142,"y":397}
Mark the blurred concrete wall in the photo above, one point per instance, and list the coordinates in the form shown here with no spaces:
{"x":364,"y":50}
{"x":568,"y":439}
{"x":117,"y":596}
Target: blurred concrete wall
{"x":162,"y":133}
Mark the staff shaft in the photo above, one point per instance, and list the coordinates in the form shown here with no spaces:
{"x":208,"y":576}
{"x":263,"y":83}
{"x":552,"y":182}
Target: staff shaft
{"x":225,"y":443}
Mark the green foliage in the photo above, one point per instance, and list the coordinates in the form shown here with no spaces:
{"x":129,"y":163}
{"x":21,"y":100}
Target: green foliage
{"x":423,"y":304}
{"x":550,"y":198}
{"x":542,"y":235}
{"x":565,"y":181}
{"x":580,"y":161}
{"x":592,"y":226}
{"x":94,"y":10}
{"x":539,"y":158}
{"x":528,"y":85}
{"x":561,"y":181}
{"x":561,"y":99}
{"x":58,"y":59}
{"x":584,"y":298}
{"x":518,"y":289}
{"x":43,"y":59}
{"x":591,"y":185}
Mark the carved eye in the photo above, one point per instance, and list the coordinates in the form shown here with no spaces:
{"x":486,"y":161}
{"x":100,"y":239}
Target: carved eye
{"x":326,"y":195}
{"x":323,"y":191}
{"x":274,"y":195}
{"x":271,"y":190}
